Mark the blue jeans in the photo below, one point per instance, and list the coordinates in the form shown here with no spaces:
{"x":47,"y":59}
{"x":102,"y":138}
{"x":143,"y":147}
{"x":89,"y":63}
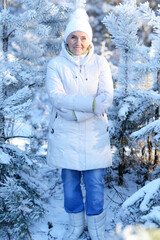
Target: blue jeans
{"x":94,"y":185}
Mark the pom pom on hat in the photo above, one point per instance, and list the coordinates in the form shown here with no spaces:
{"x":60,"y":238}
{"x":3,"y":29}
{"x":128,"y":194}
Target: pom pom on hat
{"x":79,"y":13}
{"x":79,"y":21}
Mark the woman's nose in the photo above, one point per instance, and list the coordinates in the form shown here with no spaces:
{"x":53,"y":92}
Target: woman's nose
{"x":78,"y":41}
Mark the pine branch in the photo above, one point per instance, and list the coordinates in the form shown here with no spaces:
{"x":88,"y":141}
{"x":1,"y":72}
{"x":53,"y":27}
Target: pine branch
{"x":7,"y":138}
{"x":114,"y":201}
{"x":9,"y":236}
{"x":13,"y":31}
{"x":27,"y":226}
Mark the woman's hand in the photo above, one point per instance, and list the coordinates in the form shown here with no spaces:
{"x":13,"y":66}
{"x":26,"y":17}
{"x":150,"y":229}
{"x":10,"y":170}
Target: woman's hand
{"x":67,"y":114}
{"x":99,"y":107}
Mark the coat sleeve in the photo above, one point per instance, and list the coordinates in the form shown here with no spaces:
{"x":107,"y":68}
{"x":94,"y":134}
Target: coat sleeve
{"x":105,"y":83}
{"x":83,"y":116}
{"x":59,"y":98}
{"x":105,"y":87}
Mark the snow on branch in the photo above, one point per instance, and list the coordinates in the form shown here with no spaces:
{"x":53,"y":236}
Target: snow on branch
{"x":21,"y":108}
{"x":126,"y":15}
{"x":123,"y":25}
{"x":1,"y":79}
{"x":34,"y":4}
{"x":20,"y":206}
{"x":146,"y":196}
{"x":19,"y":97}
{"x":153,"y":216}
{"x":144,"y":204}
{"x":147,"y":12}
{"x":7,"y":19}
{"x":42,"y":31}
{"x":4,"y":158}
{"x":153,"y":128}
{"x":127,"y":106}
{"x":123,"y":111}
{"x":28,"y":17}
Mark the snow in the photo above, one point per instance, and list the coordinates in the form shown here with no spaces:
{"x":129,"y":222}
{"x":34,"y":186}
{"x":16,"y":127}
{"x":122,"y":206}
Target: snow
{"x":153,"y":216}
{"x":148,"y":192}
{"x":4,"y":158}
{"x":55,"y":222}
{"x":20,"y":142}
{"x":118,"y":199}
{"x":153,"y":127}
{"x":57,"y":218}
{"x":129,"y":233}
{"x":124,"y":111}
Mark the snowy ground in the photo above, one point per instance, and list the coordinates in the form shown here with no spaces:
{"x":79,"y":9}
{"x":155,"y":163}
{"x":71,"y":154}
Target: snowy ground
{"x":55,"y":222}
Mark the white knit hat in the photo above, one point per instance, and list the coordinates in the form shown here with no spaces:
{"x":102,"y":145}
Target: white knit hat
{"x":79,"y":21}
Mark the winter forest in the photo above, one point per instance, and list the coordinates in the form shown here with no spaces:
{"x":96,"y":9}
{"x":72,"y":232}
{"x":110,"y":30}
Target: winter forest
{"x":127,"y":33}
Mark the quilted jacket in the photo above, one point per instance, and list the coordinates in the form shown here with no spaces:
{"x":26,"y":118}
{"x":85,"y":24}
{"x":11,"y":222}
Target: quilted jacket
{"x":72,"y":83}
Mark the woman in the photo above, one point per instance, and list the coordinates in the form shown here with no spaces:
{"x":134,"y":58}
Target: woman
{"x":80,"y":88}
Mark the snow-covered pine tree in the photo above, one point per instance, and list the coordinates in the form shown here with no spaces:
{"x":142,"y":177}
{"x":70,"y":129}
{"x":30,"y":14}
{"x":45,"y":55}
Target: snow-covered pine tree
{"x":30,"y":29}
{"x":4,"y":5}
{"x":23,"y":51}
{"x":133,"y":103}
{"x":51,"y":46}
{"x":153,"y":128}
{"x":123,"y":26}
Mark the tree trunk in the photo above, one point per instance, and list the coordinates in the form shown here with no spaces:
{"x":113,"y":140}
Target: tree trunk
{"x":5,"y":29}
{"x":126,"y":75}
{"x":1,"y":113}
{"x":158,"y":81}
{"x":5,"y":49}
{"x":122,"y":165}
{"x":4,"y":4}
{"x":149,"y":143}
{"x":156,"y":156}
{"x":157,"y":116}
{"x":122,"y":137}
{"x":120,"y":174}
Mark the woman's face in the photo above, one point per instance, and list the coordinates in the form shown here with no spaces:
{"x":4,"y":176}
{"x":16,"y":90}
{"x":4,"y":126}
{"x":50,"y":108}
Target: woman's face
{"x":78,"y":42}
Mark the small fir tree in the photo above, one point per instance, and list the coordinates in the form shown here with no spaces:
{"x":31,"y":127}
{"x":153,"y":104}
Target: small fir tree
{"x":23,"y":52}
{"x":133,"y":104}
{"x":123,"y":27}
{"x":152,"y":128}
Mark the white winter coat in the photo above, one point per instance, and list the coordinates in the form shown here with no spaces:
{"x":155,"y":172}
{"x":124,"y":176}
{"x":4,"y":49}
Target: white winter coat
{"x":83,"y":144}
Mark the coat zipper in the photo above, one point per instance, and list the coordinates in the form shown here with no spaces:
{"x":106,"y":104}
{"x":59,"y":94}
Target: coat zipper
{"x":80,"y":68}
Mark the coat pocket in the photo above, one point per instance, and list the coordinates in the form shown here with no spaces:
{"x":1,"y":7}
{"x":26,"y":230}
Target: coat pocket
{"x":106,"y":123}
{"x":53,"y":123}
